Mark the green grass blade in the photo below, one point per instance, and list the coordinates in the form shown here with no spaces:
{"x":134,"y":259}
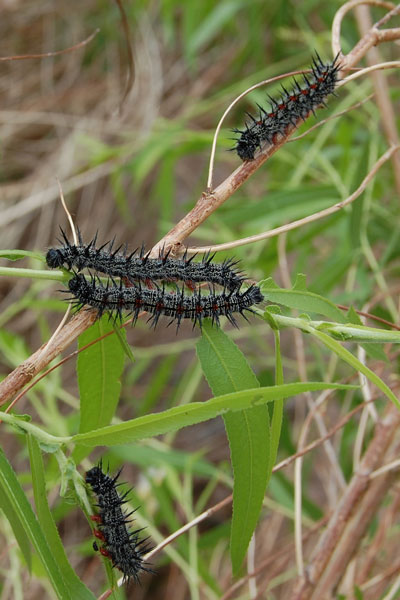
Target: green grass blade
{"x":16,"y":497}
{"x":48,"y":526}
{"x":17,"y":527}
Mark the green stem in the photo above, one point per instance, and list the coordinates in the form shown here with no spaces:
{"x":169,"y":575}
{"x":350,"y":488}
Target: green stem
{"x":36,"y":432}
{"x":342,"y":331}
{"x":34,"y":273}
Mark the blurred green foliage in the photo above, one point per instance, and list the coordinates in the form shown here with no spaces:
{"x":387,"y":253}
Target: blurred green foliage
{"x":209,"y":53}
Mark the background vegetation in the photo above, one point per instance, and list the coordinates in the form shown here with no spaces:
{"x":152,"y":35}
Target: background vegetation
{"x":133,"y":170}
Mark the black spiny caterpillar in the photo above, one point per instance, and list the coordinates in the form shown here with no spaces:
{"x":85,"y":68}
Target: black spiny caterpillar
{"x":115,"y":299}
{"x":138,"y":266}
{"x":286,"y":112}
{"x":122,"y":546}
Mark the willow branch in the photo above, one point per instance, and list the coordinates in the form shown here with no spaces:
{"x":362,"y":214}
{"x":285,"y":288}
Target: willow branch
{"x":210,"y":201}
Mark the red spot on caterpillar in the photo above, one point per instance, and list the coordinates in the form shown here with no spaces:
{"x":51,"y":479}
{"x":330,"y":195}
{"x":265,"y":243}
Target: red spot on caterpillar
{"x":99,"y":535}
{"x":95,"y":518}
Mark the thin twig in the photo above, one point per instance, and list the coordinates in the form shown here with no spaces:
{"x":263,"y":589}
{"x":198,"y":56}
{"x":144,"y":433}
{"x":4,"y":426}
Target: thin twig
{"x":75,"y":238}
{"x":334,"y":116}
{"x":382,"y":92}
{"x":340,"y":14}
{"x":69,"y":217}
{"x":300,"y":222}
{"x":370,"y":316}
{"x":391,"y":64}
{"x":205,"y":515}
{"x":395,"y":464}
{"x":105,"y":595}
{"x":372,"y":38}
{"x":55,"y":53}
{"x":228,"y":110}
{"x":131,"y":63}
{"x":369,"y":411}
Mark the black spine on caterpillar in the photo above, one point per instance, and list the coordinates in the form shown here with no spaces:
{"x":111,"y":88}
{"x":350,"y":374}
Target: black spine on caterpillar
{"x":122,"y":546}
{"x":289,"y":110}
{"x":140,"y":267}
{"x":115,"y":300}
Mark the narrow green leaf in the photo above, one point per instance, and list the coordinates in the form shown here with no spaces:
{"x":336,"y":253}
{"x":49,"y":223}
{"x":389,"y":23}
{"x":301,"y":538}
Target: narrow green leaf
{"x":15,"y":495}
{"x":277,"y":415}
{"x":18,"y":254}
{"x":196,"y":412}
{"x":301,"y":299}
{"x":17,"y":527}
{"x":347,"y":356}
{"x":376,"y":352}
{"x":211,"y":25}
{"x":248,"y":431}
{"x":300,"y":283}
{"x":146,"y":456}
{"x":45,"y":518}
{"x":121,"y":335}
{"x":99,"y":370}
